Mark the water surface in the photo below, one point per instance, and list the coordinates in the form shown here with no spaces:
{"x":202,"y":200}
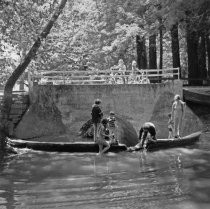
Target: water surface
{"x":175,"y":178}
{"x":169,"y":179}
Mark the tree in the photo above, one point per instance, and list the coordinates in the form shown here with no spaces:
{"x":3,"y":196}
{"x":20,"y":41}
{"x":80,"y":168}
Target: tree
{"x":202,"y":55}
{"x":192,"y":46}
{"x":152,"y":52}
{"x":161,"y":45}
{"x":7,"y":99}
{"x":197,"y":21}
{"x":208,"y":53}
{"x":175,"y":46}
{"x":21,"y":22}
{"x":141,"y":52}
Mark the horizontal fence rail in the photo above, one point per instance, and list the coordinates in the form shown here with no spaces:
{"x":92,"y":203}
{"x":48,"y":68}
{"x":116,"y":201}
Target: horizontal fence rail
{"x":112,"y":76}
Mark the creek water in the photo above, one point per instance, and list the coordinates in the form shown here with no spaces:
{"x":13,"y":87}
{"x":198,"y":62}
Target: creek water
{"x":174,"y":178}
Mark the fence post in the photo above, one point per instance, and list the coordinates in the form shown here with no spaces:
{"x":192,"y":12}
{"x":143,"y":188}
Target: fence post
{"x":178,"y":73}
{"x":64,"y":78}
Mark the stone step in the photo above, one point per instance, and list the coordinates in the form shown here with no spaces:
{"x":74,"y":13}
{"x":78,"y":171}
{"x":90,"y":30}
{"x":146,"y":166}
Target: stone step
{"x":20,"y":104}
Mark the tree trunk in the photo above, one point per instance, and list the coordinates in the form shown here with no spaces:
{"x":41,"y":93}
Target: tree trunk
{"x":161,"y":49}
{"x":141,"y":53}
{"x":208,"y":52}
{"x":175,"y":47}
{"x":7,"y":99}
{"x":152,"y":52}
{"x":192,"y":51}
{"x":161,"y":45}
{"x":202,"y":56}
{"x":153,"y":57}
{"x":2,"y":143}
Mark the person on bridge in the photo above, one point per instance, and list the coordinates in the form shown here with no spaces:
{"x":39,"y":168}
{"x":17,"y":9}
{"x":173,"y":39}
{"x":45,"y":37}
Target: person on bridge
{"x":177,"y":114}
{"x":122,"y":69}
{"x":97,"y":115}
{"x":147,"y":132}
{"x":134,"y":71}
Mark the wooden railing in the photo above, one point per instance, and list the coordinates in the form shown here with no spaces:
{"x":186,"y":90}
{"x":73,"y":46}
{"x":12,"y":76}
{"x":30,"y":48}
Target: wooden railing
{"x":111,"y":76}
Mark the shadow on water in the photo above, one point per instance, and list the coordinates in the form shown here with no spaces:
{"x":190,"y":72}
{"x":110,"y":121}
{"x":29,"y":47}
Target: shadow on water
{"x":6,"y":184}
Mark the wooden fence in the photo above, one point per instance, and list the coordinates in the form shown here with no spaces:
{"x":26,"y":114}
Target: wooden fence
{"x":112,"y":76}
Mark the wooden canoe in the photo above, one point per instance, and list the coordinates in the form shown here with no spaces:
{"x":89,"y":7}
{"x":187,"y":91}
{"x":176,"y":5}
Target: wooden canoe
{"x":170,"y":143}
{"x":93,"y":147}
{"x":63,"y":146}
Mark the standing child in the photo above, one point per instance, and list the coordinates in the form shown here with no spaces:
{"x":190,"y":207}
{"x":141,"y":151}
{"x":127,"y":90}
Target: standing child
{"x":101,"y":141}
{"x":170,"y":126}
{"x":97,"y":115}
{"x":112,"y":127}
{"x":178,"y":112}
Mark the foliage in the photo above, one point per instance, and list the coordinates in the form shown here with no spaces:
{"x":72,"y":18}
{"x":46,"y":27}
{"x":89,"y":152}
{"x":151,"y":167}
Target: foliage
{"x":21,"y":23}
{"x":98,"y":32}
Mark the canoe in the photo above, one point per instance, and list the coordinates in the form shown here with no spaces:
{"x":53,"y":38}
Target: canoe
{"x":93,"y":147}
{"x":170,"y":143}
{"x":63,"y":146}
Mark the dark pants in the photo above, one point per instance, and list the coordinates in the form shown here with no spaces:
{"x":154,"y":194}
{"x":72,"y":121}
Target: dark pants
{"x":95,"y":131}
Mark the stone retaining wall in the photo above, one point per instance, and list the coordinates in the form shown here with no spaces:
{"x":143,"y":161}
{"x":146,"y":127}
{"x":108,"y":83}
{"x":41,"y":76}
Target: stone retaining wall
{"x":20,"y":104}
{"x":61,"y":110}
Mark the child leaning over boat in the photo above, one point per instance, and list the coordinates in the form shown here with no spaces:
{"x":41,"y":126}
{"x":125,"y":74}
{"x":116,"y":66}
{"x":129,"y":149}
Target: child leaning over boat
{"x":101,"y":139}
{"x":147,"y":133}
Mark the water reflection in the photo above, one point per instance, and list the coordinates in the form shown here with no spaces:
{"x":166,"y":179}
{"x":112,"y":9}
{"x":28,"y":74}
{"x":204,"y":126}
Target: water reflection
{"x":176,"y":178}
{"x":6,"y":184}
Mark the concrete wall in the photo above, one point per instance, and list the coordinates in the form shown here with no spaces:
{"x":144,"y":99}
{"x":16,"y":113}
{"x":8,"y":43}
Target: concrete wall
{"x":61,"y":110}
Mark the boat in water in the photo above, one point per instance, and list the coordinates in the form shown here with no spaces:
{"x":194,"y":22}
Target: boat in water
{"x":63,"y":146}
{"x":93,"y":147}
{"x":169,"y":143}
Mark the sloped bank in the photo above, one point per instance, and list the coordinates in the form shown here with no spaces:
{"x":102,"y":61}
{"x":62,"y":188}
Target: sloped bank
{"x":56,"y":113}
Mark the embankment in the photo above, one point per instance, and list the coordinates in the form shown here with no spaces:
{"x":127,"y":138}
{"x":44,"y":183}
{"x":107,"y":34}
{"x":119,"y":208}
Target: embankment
{"x":58,"y":112}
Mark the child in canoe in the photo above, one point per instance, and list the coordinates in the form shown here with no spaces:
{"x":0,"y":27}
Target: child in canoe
{"x":97,"y":115}
{"x":170,"y":126}
{"x":112,"y":126}
{"x":102,"y":135}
